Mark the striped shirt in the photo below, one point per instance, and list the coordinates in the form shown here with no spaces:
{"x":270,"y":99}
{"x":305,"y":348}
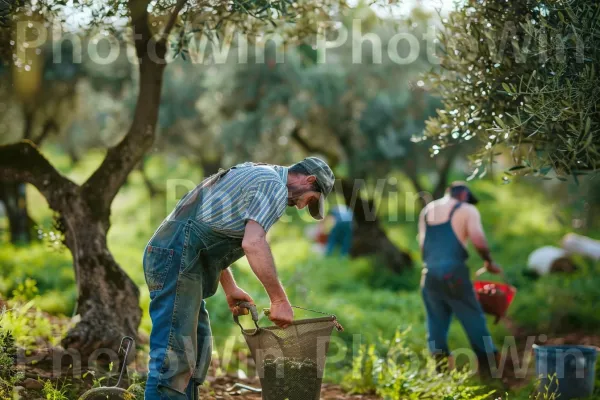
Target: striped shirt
{"x":246,"y":192}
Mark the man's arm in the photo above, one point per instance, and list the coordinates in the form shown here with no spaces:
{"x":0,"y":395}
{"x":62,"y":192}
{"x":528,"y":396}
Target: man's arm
{"x":421,"y":235}
{"x":233,"y":293}
{"x":261,"y":261}
{"x":477,"y":236}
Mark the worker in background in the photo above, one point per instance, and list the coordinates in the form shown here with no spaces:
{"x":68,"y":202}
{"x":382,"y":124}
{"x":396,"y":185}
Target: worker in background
{"x":340,"y":235}
{"x":445,"y":227}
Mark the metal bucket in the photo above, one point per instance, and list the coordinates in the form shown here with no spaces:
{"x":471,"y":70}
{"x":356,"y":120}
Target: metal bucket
{"x":290,"y":362}
{"x":568,"y":370}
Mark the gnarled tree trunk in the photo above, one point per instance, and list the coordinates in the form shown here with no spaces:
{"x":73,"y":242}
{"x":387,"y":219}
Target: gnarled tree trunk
{"x":108,"y":300}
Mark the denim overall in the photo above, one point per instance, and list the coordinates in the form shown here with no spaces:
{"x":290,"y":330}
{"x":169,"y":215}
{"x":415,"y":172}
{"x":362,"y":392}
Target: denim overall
{"x":182,"y":266}
{"x":447,"y":289}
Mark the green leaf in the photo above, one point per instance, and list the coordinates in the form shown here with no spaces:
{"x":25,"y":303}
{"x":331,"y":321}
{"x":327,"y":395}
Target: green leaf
{"x":500,"y":122}
{"x":588,"y":125}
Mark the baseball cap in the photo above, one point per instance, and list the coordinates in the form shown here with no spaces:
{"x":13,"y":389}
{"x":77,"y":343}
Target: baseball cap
{"x":460,"y":186}
{"x":325,"y":180}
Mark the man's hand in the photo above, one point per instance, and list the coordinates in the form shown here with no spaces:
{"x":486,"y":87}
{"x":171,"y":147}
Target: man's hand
{"x":235,"y":296}
{"x":492,"y":267}
{"x":281,"y":313}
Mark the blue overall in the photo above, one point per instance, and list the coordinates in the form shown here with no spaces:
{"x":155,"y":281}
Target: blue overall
{"x":182,"y":266}
{"x":447,"y":289}
{"x":341,"y":233}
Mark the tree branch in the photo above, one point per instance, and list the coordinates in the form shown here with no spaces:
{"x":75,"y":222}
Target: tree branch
{"x":23,"y":162}
{"x":306,"y":146}
{"x":138,"y":10}
{"x":152,"y":190}
{"x":444,"y":172}
{"x":410,"y":169}
{"x":172,"y":18}
{"x":101,"y":188}
{"x":309,"y":148}
{"x":49,"y":126}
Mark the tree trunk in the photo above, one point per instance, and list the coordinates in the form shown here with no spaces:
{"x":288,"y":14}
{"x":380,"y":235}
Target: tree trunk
{"x":444,"y":172}
{"x":14,"y":198}
{"x":369,"y":236}
{"x":108,"y":300}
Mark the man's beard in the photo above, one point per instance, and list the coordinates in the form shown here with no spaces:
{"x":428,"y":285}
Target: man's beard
{"x":294,"y":193}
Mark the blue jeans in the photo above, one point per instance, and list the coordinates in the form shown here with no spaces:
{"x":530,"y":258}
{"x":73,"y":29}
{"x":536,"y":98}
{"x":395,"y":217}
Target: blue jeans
{"x":182,"y":266}
{"x":448,"y":294}
{"x":340,"y":236}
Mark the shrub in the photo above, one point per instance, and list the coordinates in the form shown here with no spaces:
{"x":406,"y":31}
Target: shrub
{"x":9,"y":377}
{"x":29,"y":325}
{"x":560,"y":303}
{"x":50,"y":270}
{"x":403,"y":373}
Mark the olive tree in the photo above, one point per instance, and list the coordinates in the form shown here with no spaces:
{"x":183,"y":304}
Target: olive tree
{"x":360,"y":109}
{"x":108,"y":300}
{"x":521,"y":75}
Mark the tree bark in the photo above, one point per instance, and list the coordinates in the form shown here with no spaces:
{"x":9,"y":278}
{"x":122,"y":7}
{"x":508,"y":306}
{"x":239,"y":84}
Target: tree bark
{"x":369,"y":236}
{"x":108,"y":301}
{"x":14,"y":195}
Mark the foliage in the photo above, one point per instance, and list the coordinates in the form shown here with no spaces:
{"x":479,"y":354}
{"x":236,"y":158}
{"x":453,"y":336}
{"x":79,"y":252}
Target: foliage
{"x":362,"y":112}
{"x":522,"y":75}
{"x":55,"y":391}
{"x":29,"y":325}
{"x":49,"y":270}
{"x":402,"y":373}
{"x":568,"y":303}
{"x":9,"y":376}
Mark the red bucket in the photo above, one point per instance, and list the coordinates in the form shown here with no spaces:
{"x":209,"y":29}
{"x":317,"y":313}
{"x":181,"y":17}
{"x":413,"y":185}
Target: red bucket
{"x":494,"y":297}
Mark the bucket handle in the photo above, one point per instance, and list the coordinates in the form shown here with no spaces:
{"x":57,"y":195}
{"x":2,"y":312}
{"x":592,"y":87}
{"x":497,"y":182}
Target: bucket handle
{"x":130,"y":343}
{"x":484,"y":270}
{"x":252,"y":308}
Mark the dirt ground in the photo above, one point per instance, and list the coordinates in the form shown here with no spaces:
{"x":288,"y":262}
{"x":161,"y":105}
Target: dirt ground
{"x":228,"y":387}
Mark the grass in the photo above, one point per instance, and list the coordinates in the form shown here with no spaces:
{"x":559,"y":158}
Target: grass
{"x":371,"y":302}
